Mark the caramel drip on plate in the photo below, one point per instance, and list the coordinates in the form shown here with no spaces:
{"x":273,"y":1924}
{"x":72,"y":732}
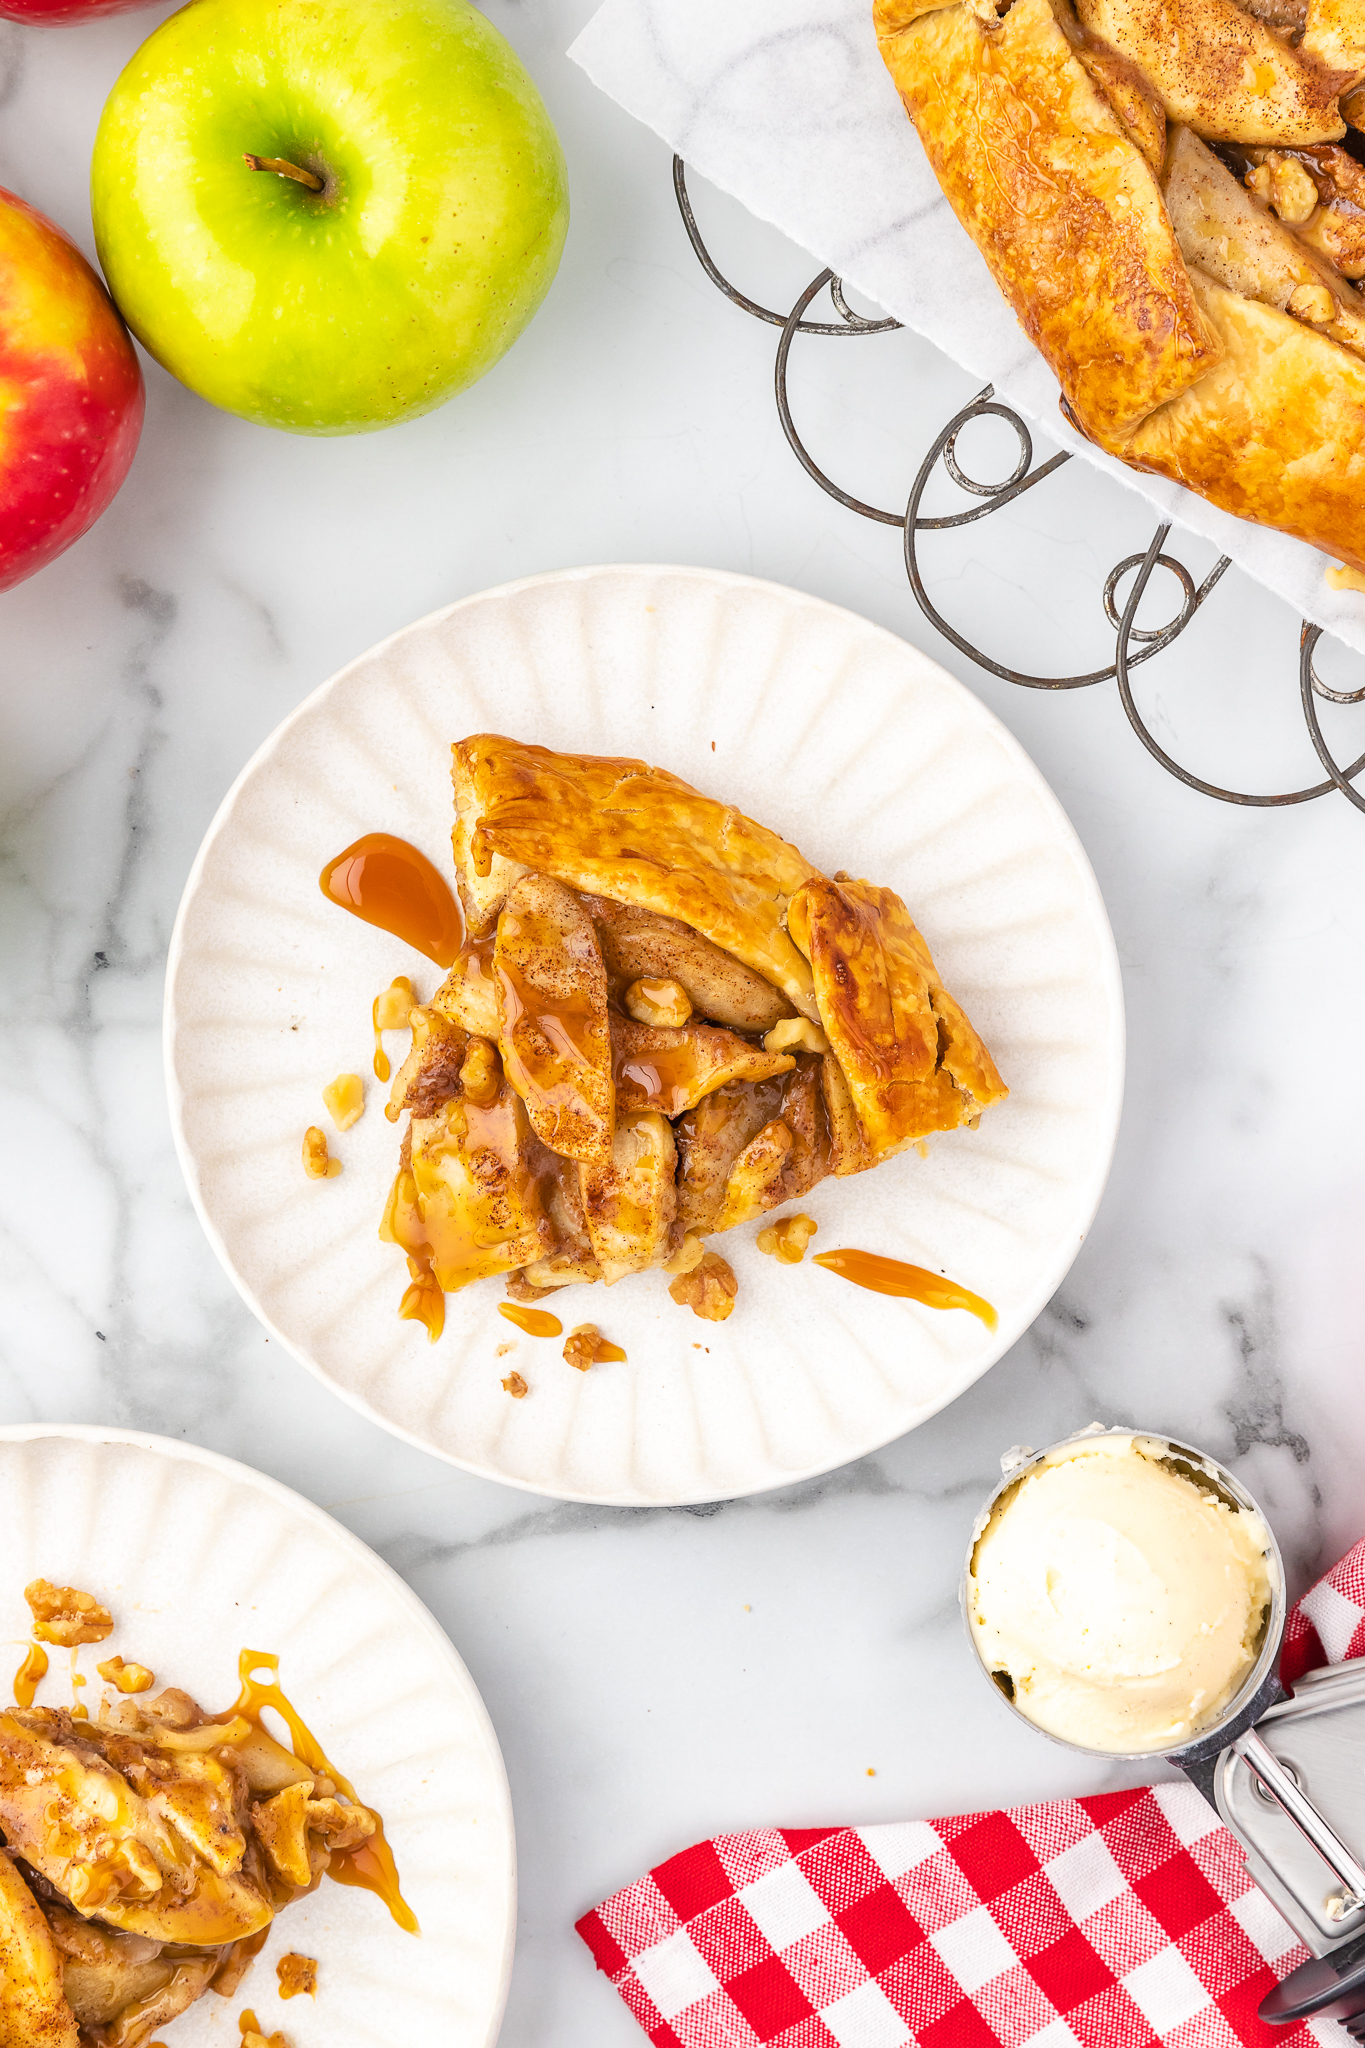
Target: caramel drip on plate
{"x":914,"y":1283}
{"x":389,"y":883}
{"x":536,"y":1322}
{"x":29,"y":1676}
{"x":370,"y":1865}
{"x":383,"y":1007}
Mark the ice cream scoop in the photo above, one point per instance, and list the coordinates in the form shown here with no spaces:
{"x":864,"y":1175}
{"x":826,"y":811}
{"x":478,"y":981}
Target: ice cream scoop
{"x":1120,"y":1591}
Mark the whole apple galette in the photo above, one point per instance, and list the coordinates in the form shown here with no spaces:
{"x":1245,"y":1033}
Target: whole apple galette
{"x":147,"y":1848}
{"x":1171,"y":195}
{"x":663,"y":1022}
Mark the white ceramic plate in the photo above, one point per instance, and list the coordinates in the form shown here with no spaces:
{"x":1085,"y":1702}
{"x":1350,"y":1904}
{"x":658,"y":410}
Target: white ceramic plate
{"x":839,"y":736}
{"x":198,"y":1558}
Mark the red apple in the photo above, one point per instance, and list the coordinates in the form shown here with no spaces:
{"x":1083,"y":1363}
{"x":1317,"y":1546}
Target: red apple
{"x":71,"y":397}
{"x":64,"y":10}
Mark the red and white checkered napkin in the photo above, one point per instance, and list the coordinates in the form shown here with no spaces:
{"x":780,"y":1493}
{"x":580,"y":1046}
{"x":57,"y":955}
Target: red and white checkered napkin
{"x":1118,"y":1922}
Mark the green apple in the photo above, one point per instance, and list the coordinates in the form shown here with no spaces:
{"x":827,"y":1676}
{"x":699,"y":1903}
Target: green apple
{"x":327,"y":215}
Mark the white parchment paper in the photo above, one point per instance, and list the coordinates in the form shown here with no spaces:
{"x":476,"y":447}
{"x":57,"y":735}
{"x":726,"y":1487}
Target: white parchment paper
{"x":787,"y":105}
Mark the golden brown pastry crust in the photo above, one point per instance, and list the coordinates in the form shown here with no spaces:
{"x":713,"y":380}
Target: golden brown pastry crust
{"x":637,"y":834}
{"x":912,"y":1062}
{"x":1061,"y":203}
{"x":555,"y":1137}
{"x":1276,"y":433}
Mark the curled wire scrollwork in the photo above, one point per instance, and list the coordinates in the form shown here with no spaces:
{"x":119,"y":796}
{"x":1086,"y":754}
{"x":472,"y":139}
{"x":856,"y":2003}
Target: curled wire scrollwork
{"x":1134,"y":644}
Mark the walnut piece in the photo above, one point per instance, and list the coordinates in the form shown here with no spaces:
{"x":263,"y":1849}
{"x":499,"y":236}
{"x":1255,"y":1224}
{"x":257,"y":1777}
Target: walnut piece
{"x":515,"y":1384}
{"x":394,"y":1006}
{"x":689,"y":1255}
{"x":709,"y":1290}
{"x":787,"y":1238}
{"x":1315,"y":303}
{"x":298,"y":1975}
{"x":127,"y":1677}
{"x":1292,"y":192}
{"x":64,"y":1616}
{"x":344,"y":1100}
{"x":586,"y":1347}
{"x":481,"y":1074}
{"x":796,"y":1034}
{"x":658,"y":1001}
{"x":316,"y":1163}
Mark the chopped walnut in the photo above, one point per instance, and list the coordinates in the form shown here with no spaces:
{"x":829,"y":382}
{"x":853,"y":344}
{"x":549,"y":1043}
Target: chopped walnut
{"x":127,"y":1677}
{"x":516,"y":1385}
{"x":690,"y":1253}
{"x":286,"y":1824}
{"x":1314,"y":303}
{"x":481,"y":1073}
{"x":787,"y":1238}
{"x":709,"y":1290}
{"x":1341,"y":576}
{"x":393,"y":1008}
{"x":658,"y":1001}
{"x":344,"y":1100}
{"x":298,"y":1976}
{"x":316,"y":1163}
{"x":796,"y":1034}
{"x":64,"y":1616}
{"x":1289,"y":189}
{"x":586,"y":1347}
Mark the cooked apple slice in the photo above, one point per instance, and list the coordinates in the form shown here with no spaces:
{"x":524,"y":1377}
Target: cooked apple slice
{"x":756,"y":1176}
{"x":912,"y":1061}
{"x":785,"y":1158}
{"x":468,"y":1198}
{"x":469,"y":994}
{"x":710,"y":1139}
{"x":1224,"y":229}
{"x":1333,"y":32}
{"x":639,"y":942}
{"x":636,"y":834}
{"x":1222,"y":72}
{"x":554,"y":1040}
{"x":34,"y":2012}
{"x":629,"y":1206}
{"x":430,"y":1074}
{"x":660,"y":1067}
{"x":108,"y":1976}
{"x":111,"y":1850}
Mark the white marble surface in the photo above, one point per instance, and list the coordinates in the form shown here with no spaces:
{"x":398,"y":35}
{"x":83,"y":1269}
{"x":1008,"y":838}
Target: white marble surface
{"x":656,"y":1676}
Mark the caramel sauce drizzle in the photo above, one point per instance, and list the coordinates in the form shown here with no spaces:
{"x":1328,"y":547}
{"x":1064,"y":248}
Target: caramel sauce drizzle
{"x":536,"y":1322}
{"x":914,"y":1283}
{"x":370,"y":1864}
{"x":30,"y":1676}
{"x":388,"y":883}
{"x":381,"y":1008}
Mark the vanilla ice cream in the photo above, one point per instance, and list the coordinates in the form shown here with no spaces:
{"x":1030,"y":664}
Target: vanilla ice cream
{"x":1120,"y":1602}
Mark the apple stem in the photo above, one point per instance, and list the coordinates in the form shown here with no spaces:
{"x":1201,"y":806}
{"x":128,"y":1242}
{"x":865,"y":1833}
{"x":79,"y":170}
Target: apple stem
{"x":284,"y":169}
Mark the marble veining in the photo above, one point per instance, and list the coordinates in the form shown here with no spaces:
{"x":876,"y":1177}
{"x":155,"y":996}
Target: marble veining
{"x":657,"y":1675}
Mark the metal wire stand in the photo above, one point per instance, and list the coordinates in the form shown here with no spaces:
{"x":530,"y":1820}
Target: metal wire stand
{"x":1133,"y":644}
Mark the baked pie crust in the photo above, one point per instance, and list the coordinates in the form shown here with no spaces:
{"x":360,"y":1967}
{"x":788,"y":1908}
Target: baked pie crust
{"x":1169,"y":194}
{"x":555,"y":1135}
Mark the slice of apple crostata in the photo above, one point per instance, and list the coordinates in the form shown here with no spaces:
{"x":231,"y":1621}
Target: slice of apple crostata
{"x":663,"y":1022}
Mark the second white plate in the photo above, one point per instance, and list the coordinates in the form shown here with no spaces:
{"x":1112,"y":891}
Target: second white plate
{"x":850,"y":743}
{"x":198,"y":1558}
